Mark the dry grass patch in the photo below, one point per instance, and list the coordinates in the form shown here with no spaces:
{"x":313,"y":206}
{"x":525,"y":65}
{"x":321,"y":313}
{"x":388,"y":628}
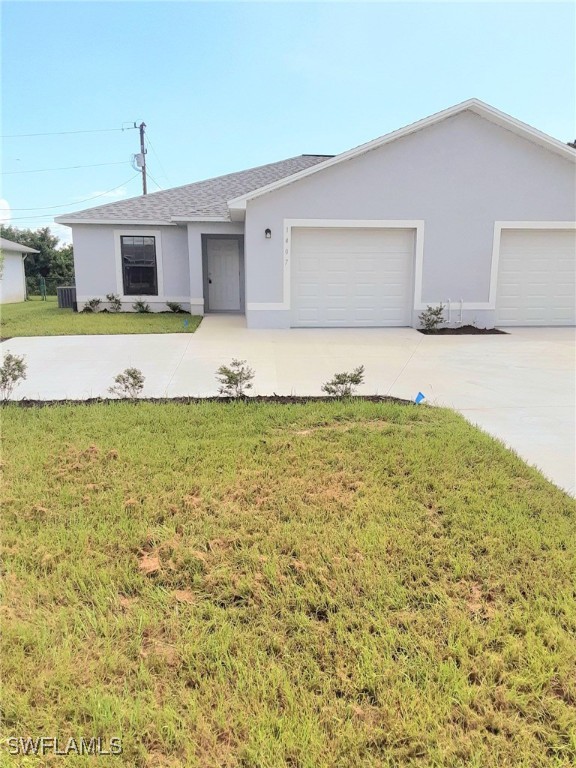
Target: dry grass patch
{"x":242,"y":585}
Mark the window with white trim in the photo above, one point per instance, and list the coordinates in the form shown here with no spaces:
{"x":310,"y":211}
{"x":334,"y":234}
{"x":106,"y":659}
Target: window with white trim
{"x":139,"y":269}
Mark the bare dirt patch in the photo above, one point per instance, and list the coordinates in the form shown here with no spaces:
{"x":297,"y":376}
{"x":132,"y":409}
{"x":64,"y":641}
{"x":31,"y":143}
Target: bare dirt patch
{"x":149,"y":564}
{"x":376,"y":424}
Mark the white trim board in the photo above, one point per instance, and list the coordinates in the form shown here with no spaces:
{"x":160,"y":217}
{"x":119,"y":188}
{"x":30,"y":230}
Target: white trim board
{"x":114,"y":222}
{"x":200,"y":219}
{"x":147,"y":299}
{"x":497,"y":240}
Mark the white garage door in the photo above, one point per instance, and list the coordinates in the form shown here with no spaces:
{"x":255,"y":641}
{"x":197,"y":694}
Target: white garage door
{"x":536,"y":277}
{"x":351,"y":277}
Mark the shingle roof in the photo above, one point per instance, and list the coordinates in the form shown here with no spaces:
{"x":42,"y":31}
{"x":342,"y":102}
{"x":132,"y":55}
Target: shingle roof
{"x":8,"y":245}
{"x":202,"y":199}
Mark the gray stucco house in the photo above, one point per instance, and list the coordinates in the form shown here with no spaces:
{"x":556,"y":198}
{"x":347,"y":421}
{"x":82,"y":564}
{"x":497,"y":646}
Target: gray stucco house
{"x":468,"y":207}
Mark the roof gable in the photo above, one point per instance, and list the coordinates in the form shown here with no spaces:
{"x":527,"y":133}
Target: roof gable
{"x":237,"y":205}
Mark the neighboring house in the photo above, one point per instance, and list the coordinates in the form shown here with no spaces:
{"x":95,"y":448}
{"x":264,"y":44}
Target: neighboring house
{"x":469,"y":206}
{"x":12,"y":277}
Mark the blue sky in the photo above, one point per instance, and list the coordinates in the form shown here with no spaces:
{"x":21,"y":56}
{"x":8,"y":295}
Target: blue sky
{"x":224,"y":86}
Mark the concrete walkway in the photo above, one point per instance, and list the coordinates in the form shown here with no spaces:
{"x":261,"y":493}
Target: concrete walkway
{"x":519,"y":387}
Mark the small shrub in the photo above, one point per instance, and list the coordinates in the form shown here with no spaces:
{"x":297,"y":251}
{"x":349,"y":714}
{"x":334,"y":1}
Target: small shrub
{"x":344,"y":384}
{"x":234,"y":379}
{"x":12,"y":371}
{"x":128,"y":385}
{"x":92,"y":305}
{"x":141,"y":306}
{"x":173,"y":306}
{"x":114,"y":301}
{"x":432,"y":317}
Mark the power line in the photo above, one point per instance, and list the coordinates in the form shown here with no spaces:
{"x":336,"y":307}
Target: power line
{"x":64,"y":133}
{"x":27,"y":218}
{"x":75,"y":202}
{"x":155,"y":182}
{"x":157,"y":158}
{"x":63,"y":168}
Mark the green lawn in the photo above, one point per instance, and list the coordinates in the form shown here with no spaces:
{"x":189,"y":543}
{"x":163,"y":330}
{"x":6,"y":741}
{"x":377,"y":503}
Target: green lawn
{"x":335,"y":584}
{"x":44,"y":318}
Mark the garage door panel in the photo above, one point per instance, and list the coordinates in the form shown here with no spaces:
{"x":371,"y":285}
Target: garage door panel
{"x":310,"y":264}
{"x":365,"y":291}
{"x":510,"y":292}
{"x":335,"y":315}
{"x":309,"y":290}
{"x":330,"y":262}
{"x":537,"y":277}
{"x":364,"y":318}
{"x":363,"y":277}
{"x":564,"y":291}
{"x":364,"y":303}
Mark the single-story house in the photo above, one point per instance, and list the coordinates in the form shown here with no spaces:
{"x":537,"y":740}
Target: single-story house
{"x":469,"y":207}
{"x":12,"y":276}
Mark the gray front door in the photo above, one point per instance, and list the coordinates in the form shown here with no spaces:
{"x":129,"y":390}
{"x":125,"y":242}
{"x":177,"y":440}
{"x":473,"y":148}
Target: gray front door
{"x":223,"y":266}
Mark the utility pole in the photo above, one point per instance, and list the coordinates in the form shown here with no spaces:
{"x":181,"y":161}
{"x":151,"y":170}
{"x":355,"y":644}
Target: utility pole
{"x":142,"y":127}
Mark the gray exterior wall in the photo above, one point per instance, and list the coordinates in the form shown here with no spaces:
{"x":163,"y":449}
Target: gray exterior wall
{"x":459,"y":176}
{"x":95,"y":263}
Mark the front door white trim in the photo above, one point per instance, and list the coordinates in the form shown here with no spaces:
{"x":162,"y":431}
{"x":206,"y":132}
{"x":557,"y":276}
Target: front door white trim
{"x":236,"y":273}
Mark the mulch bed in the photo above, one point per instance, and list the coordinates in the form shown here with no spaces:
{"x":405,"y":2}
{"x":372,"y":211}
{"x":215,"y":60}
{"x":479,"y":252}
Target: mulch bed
{"x":462,"y":330}
{"x":279,"y":399}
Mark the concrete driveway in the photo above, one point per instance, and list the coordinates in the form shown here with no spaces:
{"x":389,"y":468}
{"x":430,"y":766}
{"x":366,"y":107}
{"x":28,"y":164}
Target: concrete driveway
{"x":519,"y":387}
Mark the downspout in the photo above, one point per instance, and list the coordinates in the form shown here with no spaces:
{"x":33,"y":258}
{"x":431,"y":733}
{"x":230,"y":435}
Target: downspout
{"x":24,"y":256}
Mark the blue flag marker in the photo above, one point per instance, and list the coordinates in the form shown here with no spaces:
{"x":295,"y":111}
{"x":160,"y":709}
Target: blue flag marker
{"x":419,"y":397}
{"x":186,"y":322}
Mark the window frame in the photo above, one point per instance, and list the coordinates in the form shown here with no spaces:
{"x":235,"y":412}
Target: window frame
{"x":147,"y":262}
{"x":156,"y":234}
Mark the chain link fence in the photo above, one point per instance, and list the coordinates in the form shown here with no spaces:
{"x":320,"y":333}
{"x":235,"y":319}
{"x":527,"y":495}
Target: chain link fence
{"x":34,"y":285}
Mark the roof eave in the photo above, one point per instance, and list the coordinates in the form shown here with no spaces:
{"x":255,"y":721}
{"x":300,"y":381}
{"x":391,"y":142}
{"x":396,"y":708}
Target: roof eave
{"x":237,"y":211}
{"x":192,"y":219}
{"x":69,"y":222}
{"x":21,"y":249}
